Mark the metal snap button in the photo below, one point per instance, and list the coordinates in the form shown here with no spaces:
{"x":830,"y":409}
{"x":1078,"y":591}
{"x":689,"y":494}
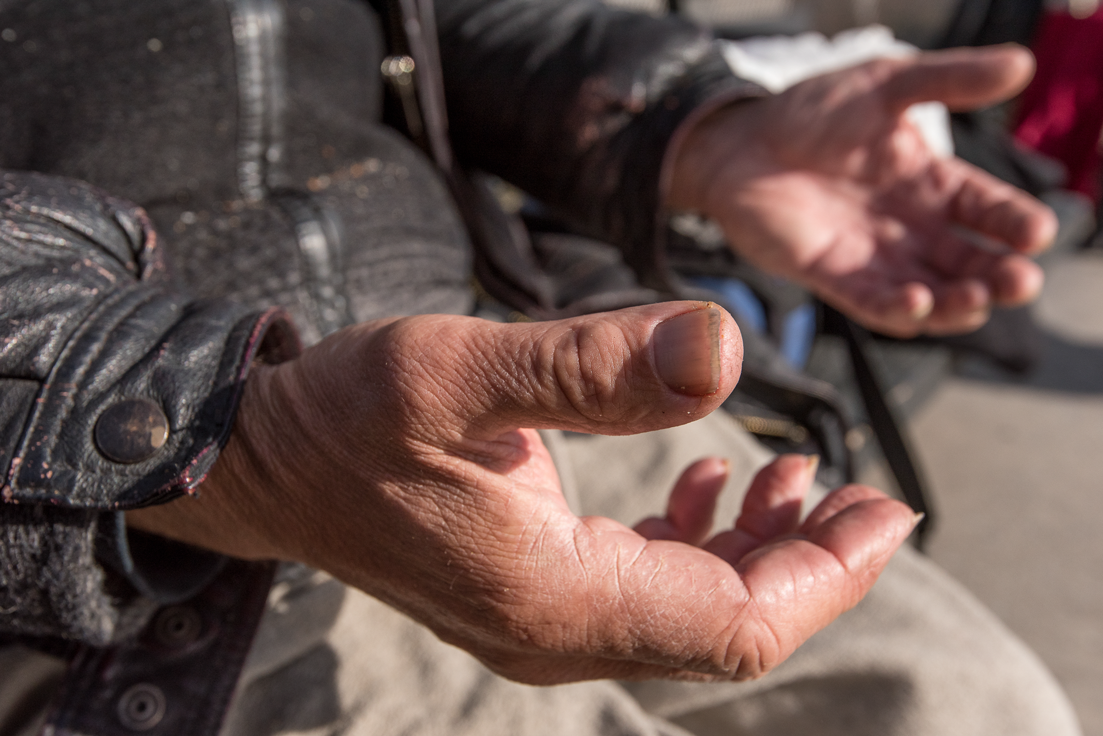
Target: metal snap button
{"x":131,"y":431}
{"x":178,"y":626}
{"x":141,"y":707}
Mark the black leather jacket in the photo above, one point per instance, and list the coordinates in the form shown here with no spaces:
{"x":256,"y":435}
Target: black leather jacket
{"x":249,"y":133}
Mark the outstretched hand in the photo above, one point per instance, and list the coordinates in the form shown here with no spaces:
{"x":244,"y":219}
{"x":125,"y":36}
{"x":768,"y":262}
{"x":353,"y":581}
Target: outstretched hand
{"x":830,"y":185}
{"x":400,"y":457}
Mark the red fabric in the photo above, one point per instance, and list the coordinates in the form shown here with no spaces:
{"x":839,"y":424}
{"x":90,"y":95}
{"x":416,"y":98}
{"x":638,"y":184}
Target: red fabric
{"x":1061,"y":112}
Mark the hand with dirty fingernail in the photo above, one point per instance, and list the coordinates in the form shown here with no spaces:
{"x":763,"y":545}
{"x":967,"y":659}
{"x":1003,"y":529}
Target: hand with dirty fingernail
{"x":401,"y":456}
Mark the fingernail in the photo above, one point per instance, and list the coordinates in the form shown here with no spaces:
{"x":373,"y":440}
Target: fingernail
{"x":687,"y":352}
{"x":918,"y":518}
{"x":813,"y":465}
{"x":922,"y":310}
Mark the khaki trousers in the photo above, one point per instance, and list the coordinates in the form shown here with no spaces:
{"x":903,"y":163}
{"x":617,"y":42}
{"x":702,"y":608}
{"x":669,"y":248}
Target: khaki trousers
{"x":918,"y":657}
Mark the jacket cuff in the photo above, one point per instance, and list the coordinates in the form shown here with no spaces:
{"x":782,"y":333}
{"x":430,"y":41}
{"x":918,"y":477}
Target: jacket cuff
{"x":633,"y":213}
{"x":126,"y":388}
{"x":116,"y":391}
{"x":576,"y":103}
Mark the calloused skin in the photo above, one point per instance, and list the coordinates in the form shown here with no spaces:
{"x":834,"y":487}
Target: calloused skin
{"x":401,"y":455}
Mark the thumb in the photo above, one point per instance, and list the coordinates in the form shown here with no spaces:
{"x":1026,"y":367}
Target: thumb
{"x":622,"y":372}
{"x":963,"y":79}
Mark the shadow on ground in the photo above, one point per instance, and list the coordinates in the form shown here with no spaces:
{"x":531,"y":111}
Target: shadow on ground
{"x":1067,"y":366}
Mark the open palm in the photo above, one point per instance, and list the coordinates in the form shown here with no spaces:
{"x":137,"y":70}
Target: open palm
{"x":830,"y":185}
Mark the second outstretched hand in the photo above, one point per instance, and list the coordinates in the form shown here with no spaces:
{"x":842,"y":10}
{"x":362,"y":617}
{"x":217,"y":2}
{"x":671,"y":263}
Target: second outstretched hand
{"x":401,"y":457}
{"x":830,"y":185}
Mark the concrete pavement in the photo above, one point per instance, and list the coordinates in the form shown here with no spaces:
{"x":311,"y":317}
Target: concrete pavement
{"x":1016,"y":468}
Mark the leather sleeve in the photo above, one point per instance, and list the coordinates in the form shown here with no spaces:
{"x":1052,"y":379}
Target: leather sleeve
{"x":576,"y":103}
{"x":116,"y":391}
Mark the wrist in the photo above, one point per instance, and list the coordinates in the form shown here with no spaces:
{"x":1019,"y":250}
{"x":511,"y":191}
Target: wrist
{"x":720,"y":139}
{"x":234,"y":510}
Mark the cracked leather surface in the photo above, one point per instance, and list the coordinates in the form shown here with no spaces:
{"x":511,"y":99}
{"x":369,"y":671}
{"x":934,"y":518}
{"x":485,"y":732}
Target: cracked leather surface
{"x":89,"y":318}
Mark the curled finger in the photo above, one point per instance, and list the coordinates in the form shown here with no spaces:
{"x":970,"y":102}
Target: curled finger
{"x":692,"y":503}
{"x":837,"y":501}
